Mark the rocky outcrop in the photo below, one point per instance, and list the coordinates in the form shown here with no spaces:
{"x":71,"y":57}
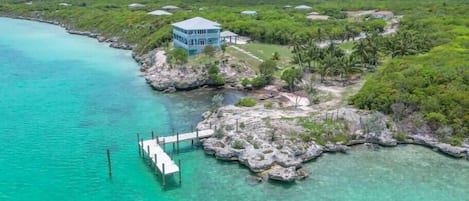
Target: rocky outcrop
{"x":273,"y":141}
{"x":311,"y":153}
{"x":287,"y":174}
{"x":458,"y":152}
{"x":170,"y":77}
{"x":336,"y":148}
{"x":283,"y":174}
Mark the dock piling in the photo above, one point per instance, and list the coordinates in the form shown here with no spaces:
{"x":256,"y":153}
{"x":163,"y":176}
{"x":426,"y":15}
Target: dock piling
{"x":152,"y":135}
{"x":148,"y":151}
{"x":143,"y":153}
{"x":164,"y":177}
{"x":138,"y":143}
{"x":156,"y":165}
{"x":180,"y":170}
{"x":177,"y":142}
{"x":109,"y":162}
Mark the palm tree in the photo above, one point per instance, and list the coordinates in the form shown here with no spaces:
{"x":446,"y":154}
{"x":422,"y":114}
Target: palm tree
{"x":360,"y":51}
{"x":296,"y":45}
{"x":311,"y":51}
{"x":347,"y":66}
{"x":327,"y":66}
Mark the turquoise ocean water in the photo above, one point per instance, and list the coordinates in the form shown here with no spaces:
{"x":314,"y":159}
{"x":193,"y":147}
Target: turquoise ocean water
{"x":65,"y":99}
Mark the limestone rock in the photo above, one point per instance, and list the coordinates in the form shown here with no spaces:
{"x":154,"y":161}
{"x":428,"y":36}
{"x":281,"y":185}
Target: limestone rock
{"x":256,"y":160}
{"x":312,"y":152}
{"x":457,"y":152}
{"x":336,"y":148}
{"x":283,"y":174}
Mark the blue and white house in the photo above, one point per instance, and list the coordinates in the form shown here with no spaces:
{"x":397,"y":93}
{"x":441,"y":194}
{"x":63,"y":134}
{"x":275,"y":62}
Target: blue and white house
{"x":196,"y":33}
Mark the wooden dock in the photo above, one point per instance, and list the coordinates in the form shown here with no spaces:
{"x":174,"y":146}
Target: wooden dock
{"x":159,"y":158}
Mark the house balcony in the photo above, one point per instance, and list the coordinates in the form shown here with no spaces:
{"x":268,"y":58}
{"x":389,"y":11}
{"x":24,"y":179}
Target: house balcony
{"x":195,"y":36}
{"x":178,"y":43}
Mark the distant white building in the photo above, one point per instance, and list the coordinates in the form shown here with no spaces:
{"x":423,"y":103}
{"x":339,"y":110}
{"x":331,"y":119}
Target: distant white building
{"x":303,"y":7}
{"x":383,"y":14}
{"x":159,"y":12}
{"x":135,"y":6}
{"x":65,"y":4}
{"x":316,"y":16}
{"x":170,"y":7}
{"x":249,"y":12}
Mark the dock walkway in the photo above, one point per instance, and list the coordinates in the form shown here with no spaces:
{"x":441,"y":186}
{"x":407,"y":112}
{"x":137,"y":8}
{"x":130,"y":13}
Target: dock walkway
{"x":165,"y":165}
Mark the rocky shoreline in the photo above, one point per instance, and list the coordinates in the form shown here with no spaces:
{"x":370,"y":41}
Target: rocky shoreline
{"x":269,"y":141}
{"x":113,"y":41}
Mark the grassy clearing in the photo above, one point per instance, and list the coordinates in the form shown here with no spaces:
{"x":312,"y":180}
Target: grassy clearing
{"x":265,"y":51}
{"x":347,"y":46}
{"x":253,"y":63}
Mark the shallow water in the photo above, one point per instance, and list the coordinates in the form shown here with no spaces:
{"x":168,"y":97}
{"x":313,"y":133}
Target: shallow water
{"x":65,"y":99}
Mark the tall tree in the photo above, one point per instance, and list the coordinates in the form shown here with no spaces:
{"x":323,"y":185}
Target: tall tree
{"x":291,"y":76}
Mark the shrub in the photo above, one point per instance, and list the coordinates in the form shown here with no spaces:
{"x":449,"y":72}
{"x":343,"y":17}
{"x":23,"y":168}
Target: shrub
{"x":306,"y":137}
{"x":217,"y":79}
{"x":268,"y":105}
{"x":246,"y":102}
{"x":245,"y":82}
{"x":242,"y":126}
{"x":316,"y":100}
{"x":400,"y":136}
{"x":260,"y":82}
{"x":237,"y":144}
{"x":213,"y":69}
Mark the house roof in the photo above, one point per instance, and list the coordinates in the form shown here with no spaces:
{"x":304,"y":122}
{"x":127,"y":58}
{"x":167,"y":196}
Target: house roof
{"x":170,"y":7}
{"x":313,"y":13}
{"x":159,"y":12}
{"x":197,"y":23}
{"x":303,"y":7}
{"x":228,"y":34}
{"x":249,"y":12}
{"x":383,"y":12}
{"x":136,"y":5}
{"x":65,"y":4}
{"x":287,"y":6}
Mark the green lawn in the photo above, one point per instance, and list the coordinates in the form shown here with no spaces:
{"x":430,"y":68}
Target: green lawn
{"x":347,"y":45}
{"x":265,"y":51}
{"x":244,"y":57}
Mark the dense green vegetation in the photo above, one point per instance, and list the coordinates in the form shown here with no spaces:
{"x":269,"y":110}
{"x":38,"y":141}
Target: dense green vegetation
{"x":421,"y":72}
{"x":431,"y":87}
{"x":273,"y":24}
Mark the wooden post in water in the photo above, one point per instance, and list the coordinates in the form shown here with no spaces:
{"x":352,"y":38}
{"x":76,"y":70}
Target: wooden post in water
{"x":156,"y":165}
{"x":179,"y":164}
{"x":152,"y":135}
{"x":143,"y":153}
{"x":138,"y":143}
{"x":197,"y":135}
{"x":163,"y":177}
{"x":148,"y":151}
{"x":164,"y":145}
{"x":109,"y":162}
{"x":177,"y":141}
{"x":174,"y":147}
